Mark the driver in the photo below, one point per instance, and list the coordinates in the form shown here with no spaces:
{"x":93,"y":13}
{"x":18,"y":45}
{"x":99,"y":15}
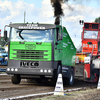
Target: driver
{"x":94,"y":35}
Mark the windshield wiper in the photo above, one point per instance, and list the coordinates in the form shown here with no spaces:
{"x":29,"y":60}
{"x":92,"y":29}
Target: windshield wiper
{"x":20,"y":35}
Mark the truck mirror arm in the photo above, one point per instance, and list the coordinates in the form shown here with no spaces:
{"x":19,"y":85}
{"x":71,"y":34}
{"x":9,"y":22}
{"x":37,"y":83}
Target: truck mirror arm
{"x":60,"y":36}
{"x":56,"y":43}
{"x":5,"y":35}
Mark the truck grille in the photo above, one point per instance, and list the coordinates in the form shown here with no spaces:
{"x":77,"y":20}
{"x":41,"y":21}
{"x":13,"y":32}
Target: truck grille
{"x":30,"y":54}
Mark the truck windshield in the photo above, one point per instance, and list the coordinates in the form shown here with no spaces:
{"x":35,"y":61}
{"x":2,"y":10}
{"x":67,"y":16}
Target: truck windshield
{"x":32,"y":35}
{"x":90,"y":34}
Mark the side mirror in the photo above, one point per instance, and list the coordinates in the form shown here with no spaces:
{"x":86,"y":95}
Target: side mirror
{"x":5,"y":35}
{"x":60,"y":36}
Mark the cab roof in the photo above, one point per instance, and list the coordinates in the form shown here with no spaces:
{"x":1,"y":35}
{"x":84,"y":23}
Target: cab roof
{"x":30,"y":26}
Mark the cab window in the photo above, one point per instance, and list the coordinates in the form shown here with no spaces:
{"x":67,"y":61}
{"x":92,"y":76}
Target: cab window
{"x":90,"y":34}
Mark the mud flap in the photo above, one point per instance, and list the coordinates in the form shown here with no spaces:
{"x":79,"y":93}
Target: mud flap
{"x":87,"y":71}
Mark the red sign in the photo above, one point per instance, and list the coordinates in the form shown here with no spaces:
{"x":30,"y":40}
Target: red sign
{"x":90,"y":47}
{"x":90,"y":26}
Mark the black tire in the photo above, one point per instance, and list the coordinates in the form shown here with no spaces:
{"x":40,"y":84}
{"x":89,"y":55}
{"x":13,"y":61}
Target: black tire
{"x":59,"y":69}
{"x":69,"y":80}
{"x":56,"y":73}
{"x":16,"y":79}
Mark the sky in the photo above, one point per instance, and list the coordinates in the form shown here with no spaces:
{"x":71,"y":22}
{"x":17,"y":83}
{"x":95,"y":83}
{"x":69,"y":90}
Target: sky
{"x":41,"y":11}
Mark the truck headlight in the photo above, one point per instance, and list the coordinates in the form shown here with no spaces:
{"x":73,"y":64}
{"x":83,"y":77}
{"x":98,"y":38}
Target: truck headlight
{"x":41,"y":70}
{"x":49,"y":71}
{"x":8,"y":69}
{"x":45,"y":71}
{"x":16,"y":69}
{"x":12,"y":69}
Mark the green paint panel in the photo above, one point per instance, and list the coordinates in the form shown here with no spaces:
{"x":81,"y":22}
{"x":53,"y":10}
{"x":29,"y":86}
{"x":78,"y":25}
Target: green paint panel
{"x":69,"y":50}
{"x":66,"y":51}
{"x":30,"y":51}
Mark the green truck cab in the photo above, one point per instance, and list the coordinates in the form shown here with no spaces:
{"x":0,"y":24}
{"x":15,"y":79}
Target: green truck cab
{"x":40,"y":51}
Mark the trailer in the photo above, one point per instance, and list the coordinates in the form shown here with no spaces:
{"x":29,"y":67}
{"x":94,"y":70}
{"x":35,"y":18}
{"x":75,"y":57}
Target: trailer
{"x":90,"y":65}
{"x":40,"y":51}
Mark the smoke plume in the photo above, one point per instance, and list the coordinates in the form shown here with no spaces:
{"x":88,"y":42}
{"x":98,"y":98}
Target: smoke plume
{"x":58,"y":11}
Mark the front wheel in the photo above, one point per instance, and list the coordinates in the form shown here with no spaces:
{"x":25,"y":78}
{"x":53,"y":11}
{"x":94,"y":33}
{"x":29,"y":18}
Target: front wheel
{"x":56,"y":73}
{"x":16,"y":79}
{"x":70,"y":80}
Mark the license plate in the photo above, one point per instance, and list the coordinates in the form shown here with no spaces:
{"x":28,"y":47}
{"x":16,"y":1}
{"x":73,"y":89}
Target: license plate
{"x":28,"y":64}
